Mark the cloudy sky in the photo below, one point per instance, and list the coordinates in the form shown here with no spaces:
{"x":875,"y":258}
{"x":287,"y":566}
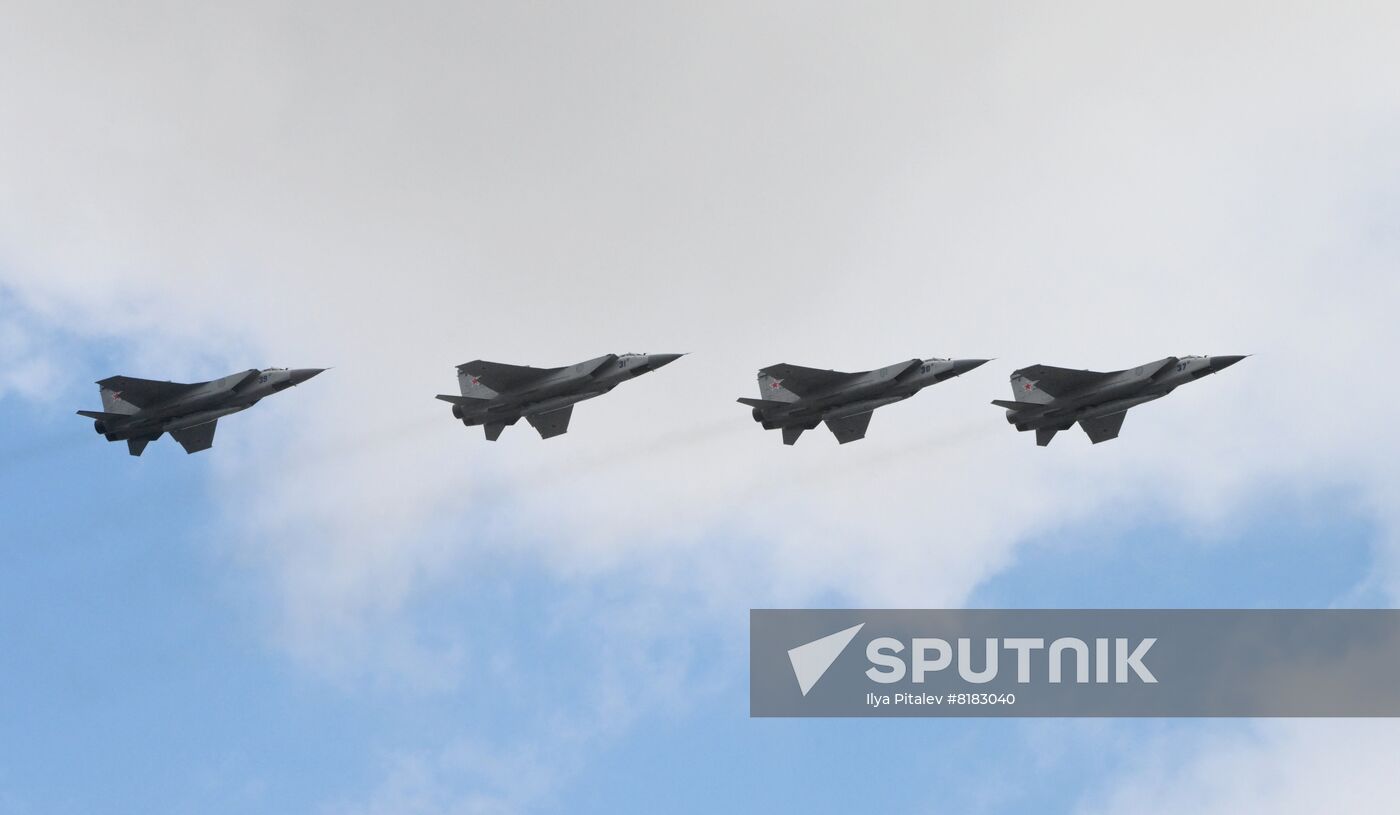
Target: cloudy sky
{"x":354,"y":605}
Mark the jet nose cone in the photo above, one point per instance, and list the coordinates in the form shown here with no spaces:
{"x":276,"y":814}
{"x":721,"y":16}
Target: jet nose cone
{"x":1221,"y":363}
{"x":657,"y":360}
{"x":962,"y":366}
{"x":300,"y":375}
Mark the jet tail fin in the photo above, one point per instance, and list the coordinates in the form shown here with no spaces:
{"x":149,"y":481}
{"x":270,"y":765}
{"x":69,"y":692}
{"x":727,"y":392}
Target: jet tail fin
{"x":113,"y":403}
{"x":791,"y":432}
{"x":137,"y":446}
{"x":1025,"y":383}
{"x":1045,"y":434}
{"x":771,"y":386}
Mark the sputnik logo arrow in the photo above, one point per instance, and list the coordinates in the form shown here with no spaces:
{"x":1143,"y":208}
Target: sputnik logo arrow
{"x":812,"y":660}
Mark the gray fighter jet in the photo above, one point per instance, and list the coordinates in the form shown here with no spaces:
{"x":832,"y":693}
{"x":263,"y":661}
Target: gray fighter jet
{"x":1050,"y":399}
{"x":797,"y":399}
{"x":496,"y":395}
{"x":138,"y":411}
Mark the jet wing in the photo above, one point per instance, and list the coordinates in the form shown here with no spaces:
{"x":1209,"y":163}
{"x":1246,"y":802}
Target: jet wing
{"x":1104,"y":427}
{"x":199,"y":437}
{"x":503,"y":378}
{"x":849,"y":428}
{"x":807,"y":381}
{"x":144,"y":392}
{"x":551,"y":424}
{"x":1060,"y":381}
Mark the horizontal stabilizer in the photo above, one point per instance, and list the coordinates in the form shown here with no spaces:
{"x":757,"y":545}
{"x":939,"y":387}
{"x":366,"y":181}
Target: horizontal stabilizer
{"x":462,"y":400}
{"x":762,"y":403}
{"x":1011,"y":405}
{"x":97,"y":414}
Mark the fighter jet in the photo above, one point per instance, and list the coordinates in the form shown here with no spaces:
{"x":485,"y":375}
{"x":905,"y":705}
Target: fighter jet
{"x":496,"y":395}
{"x":139,"y":411}
{"x":797,"y":399}
{"x":1050,"y":399}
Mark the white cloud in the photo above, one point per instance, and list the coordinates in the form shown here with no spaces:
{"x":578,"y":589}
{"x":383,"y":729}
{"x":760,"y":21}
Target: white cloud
{"x":396,"y":192}
{"x":1280,"y":767}
{"x":25,"y":369}
{"x":577,"y":682}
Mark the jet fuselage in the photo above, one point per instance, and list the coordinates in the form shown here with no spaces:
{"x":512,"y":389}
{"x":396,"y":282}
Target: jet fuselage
{"x":1052,"y":399}
{"x":873,"y":389}
{"x":497,"y":395}
{"x":201,"y":403}
{"x":1120,"y":391}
